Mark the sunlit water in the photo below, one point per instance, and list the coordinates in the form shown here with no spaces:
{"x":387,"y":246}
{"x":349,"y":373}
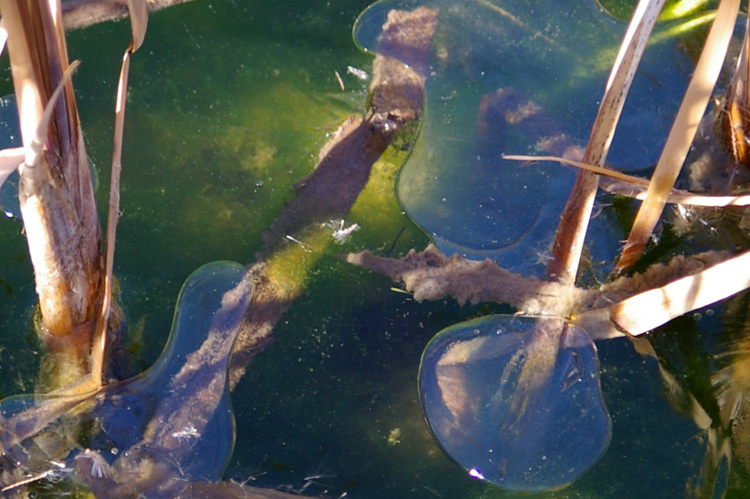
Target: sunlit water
{"x":553,"y":54}
{"x":229,"y":105}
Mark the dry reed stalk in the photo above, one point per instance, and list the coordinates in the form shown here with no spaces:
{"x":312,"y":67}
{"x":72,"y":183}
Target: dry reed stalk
{"x":736,"y":119}
{"x":56,"y":197}
{"x":646,"y":311}
{"x":635,"y":187}
{"x":571,"y":232}
{"x":683,"y":131}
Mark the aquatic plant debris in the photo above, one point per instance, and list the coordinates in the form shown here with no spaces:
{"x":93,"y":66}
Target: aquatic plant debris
{"x":188,"y":428}
{"x":165,"y":433}
{"x":55,"y":191}
{"x":430,"y":275}
{"x":98,"y":466}
{"x":328,"y":193}
{"x":531,"y":384}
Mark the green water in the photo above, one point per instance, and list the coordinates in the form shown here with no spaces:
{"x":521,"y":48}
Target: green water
{"x":229,"y":104}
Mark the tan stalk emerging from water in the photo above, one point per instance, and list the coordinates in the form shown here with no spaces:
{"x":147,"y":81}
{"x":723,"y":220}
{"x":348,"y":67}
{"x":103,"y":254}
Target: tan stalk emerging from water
{"x":683,"y":131}
{"x":56,"y":197}
{"x":549,"y":333}
{"x":138,"y":23}
{"x":569,"y":239}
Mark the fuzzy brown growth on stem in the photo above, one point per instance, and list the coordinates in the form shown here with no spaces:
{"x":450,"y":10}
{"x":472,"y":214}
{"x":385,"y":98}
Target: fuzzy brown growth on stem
{"x":430,"y":275}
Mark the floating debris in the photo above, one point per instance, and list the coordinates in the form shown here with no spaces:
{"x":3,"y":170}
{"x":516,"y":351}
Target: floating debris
{"x":341,"y":82}
{"x":394,"y":437}
{"x":341,"y":232}
{"x":362,"y":75}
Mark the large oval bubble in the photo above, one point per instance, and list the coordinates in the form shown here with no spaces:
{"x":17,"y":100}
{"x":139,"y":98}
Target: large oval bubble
{"x":516,"y":400}
{"x":519,"y":77}
{"x":176,"y":416}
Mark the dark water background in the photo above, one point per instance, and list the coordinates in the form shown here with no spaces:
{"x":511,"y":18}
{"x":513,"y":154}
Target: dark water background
{"x":229,"y":103}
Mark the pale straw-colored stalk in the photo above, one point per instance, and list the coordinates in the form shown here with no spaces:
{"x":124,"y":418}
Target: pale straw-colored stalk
{"x":55,"y":191}
{"x":650,"y":309}
{"x":636,"y":187}
{"x":571,"y":232}
{"x":683,"y":131}
{"x":138,"y":21}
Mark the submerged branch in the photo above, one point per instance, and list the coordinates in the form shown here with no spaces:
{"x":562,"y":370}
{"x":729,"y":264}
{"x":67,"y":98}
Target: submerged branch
{"x":82,"y":13}
{"x":296,"y":240}
{"x":429,"y":275}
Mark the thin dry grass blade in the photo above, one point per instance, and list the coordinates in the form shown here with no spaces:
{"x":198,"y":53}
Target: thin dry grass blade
{"x":19,"y":25}
{"x":139,"y":21}
{"x":9,"y":161}
{"x":635,"y":187}
{"x":583,"y":166}
{"x":3,"y":35}
{"x":678,"y":196}
{"x":571,"y":233}
{"x":138,"y":10}
{"x":683,"y":131}
{"x":33,"y":151}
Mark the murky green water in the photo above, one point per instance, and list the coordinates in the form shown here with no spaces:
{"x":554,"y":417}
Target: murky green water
{"x":229,"y":104}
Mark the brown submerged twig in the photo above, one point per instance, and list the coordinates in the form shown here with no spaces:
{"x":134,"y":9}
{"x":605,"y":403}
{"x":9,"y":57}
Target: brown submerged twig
{"x":430,"y":275}
{"x":83,"y":13}
{"x":397,"y":95}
